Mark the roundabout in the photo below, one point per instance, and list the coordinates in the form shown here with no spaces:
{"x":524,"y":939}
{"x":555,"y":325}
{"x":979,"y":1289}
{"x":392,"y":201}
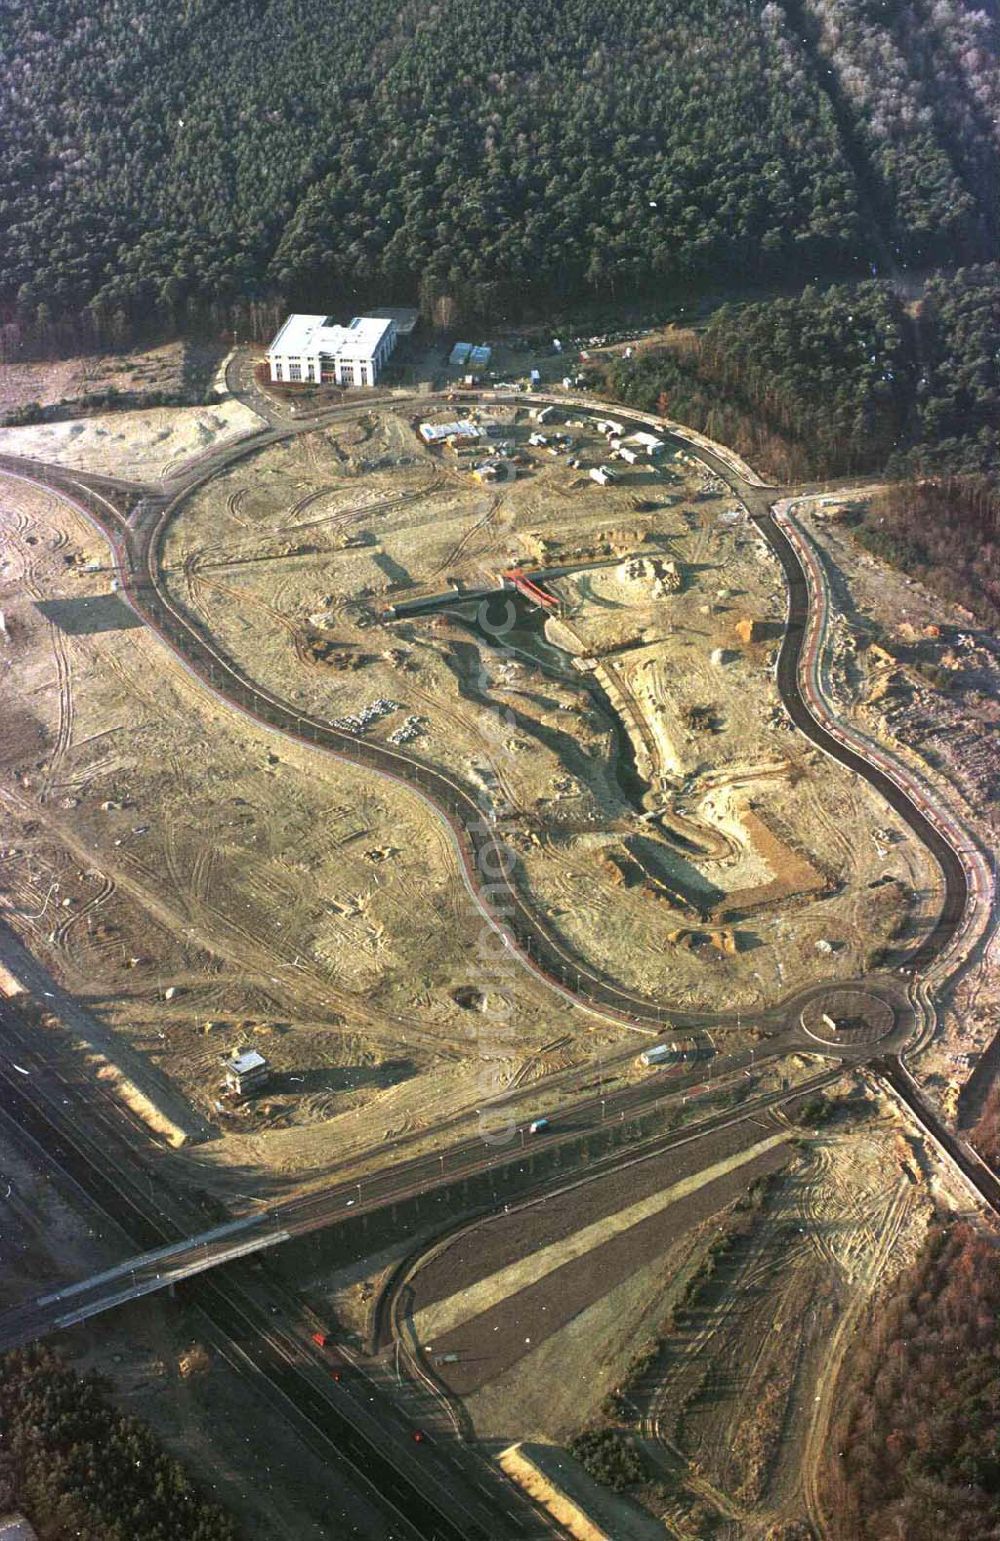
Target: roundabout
{"x":848,"y":1018}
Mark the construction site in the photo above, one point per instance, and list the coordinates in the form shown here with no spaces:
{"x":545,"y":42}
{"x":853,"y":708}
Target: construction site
{"x":281,"y":968}
{"x":918,"y":673}
{"x":612,"y":703}
{"x":697,"y":1308}
{"x":616,"y":716}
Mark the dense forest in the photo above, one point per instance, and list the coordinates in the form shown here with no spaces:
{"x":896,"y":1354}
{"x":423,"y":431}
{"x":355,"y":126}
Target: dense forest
{"x":210,"y":154}
{"x":915,"y":1452}
{"x":77,"y":1467}
{"x":840,"y":380}
{"x":814,"y":385}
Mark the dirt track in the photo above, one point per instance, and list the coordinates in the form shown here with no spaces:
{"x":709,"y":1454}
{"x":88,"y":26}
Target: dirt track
{"x":261,"y":889}
{"x":527,"y":729}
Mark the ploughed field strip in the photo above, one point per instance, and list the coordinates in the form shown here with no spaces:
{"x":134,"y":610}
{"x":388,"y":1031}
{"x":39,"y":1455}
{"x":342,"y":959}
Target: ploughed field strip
{"x":498,"y":1292}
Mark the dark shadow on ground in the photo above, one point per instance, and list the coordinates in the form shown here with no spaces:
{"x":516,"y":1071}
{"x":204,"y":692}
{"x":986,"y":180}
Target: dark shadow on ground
{"x":89,"y":614}
{"x":340,"y":1078}
{"x":396,"y":574}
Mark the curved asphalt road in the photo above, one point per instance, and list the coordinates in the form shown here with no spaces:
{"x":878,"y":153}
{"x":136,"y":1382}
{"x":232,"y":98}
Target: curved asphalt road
{"x":486,"y":859}
{"x":956,"y":889}
{"x":759,"y":503}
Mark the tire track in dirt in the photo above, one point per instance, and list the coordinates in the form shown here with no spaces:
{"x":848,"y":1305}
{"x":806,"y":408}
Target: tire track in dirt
{"x":61,"y":932}
{"x":817,"y":1438}
{"x":64,"y":692}
{"x":718,"y":1383}
{"x":488,"y":750}
{"x":261,"y":959}
{"x":342,"y":516}
{"x":833,"y":829}
{"x":809,"y":1212}
{"x":461,"y":546}
{"x":66,"y":710}
{"x":673,"y":1383}
{"x":202,"y":870}
{"x":307,"y":502}
{"x":234,"y":506}
{"x":128,"y":680}
{"x":195,"y":581}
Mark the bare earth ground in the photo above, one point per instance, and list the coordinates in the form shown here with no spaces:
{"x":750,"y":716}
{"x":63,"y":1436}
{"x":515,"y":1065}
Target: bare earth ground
{"x":154,"y":842}
{"x":289,"y":902}
{"x":193,"y":853}
{"x":159,"y":369}
{"x":947,"y":725}
{"x":292,"y":558}
{"x":142,"y":445}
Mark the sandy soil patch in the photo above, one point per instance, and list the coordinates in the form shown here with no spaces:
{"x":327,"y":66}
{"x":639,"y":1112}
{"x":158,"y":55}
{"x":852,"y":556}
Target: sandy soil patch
{"x":141,"y":445}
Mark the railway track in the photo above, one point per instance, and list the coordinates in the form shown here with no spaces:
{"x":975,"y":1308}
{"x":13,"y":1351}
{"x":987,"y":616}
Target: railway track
{"x":137,"y":556}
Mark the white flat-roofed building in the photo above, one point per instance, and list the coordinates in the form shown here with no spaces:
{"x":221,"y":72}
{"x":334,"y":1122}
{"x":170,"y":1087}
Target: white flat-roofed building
{"x":314,"y":350}
{"x":462,"y":428}
{"x":647,"y":441}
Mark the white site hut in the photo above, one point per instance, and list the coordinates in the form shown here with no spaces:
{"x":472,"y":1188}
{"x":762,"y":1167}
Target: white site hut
{"x":246,"y":1072}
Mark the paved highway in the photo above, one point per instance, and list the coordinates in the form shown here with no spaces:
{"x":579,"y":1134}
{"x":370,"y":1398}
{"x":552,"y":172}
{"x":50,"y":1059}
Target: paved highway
{"x":607,"y":1117}
{"x":433,"y":1491}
